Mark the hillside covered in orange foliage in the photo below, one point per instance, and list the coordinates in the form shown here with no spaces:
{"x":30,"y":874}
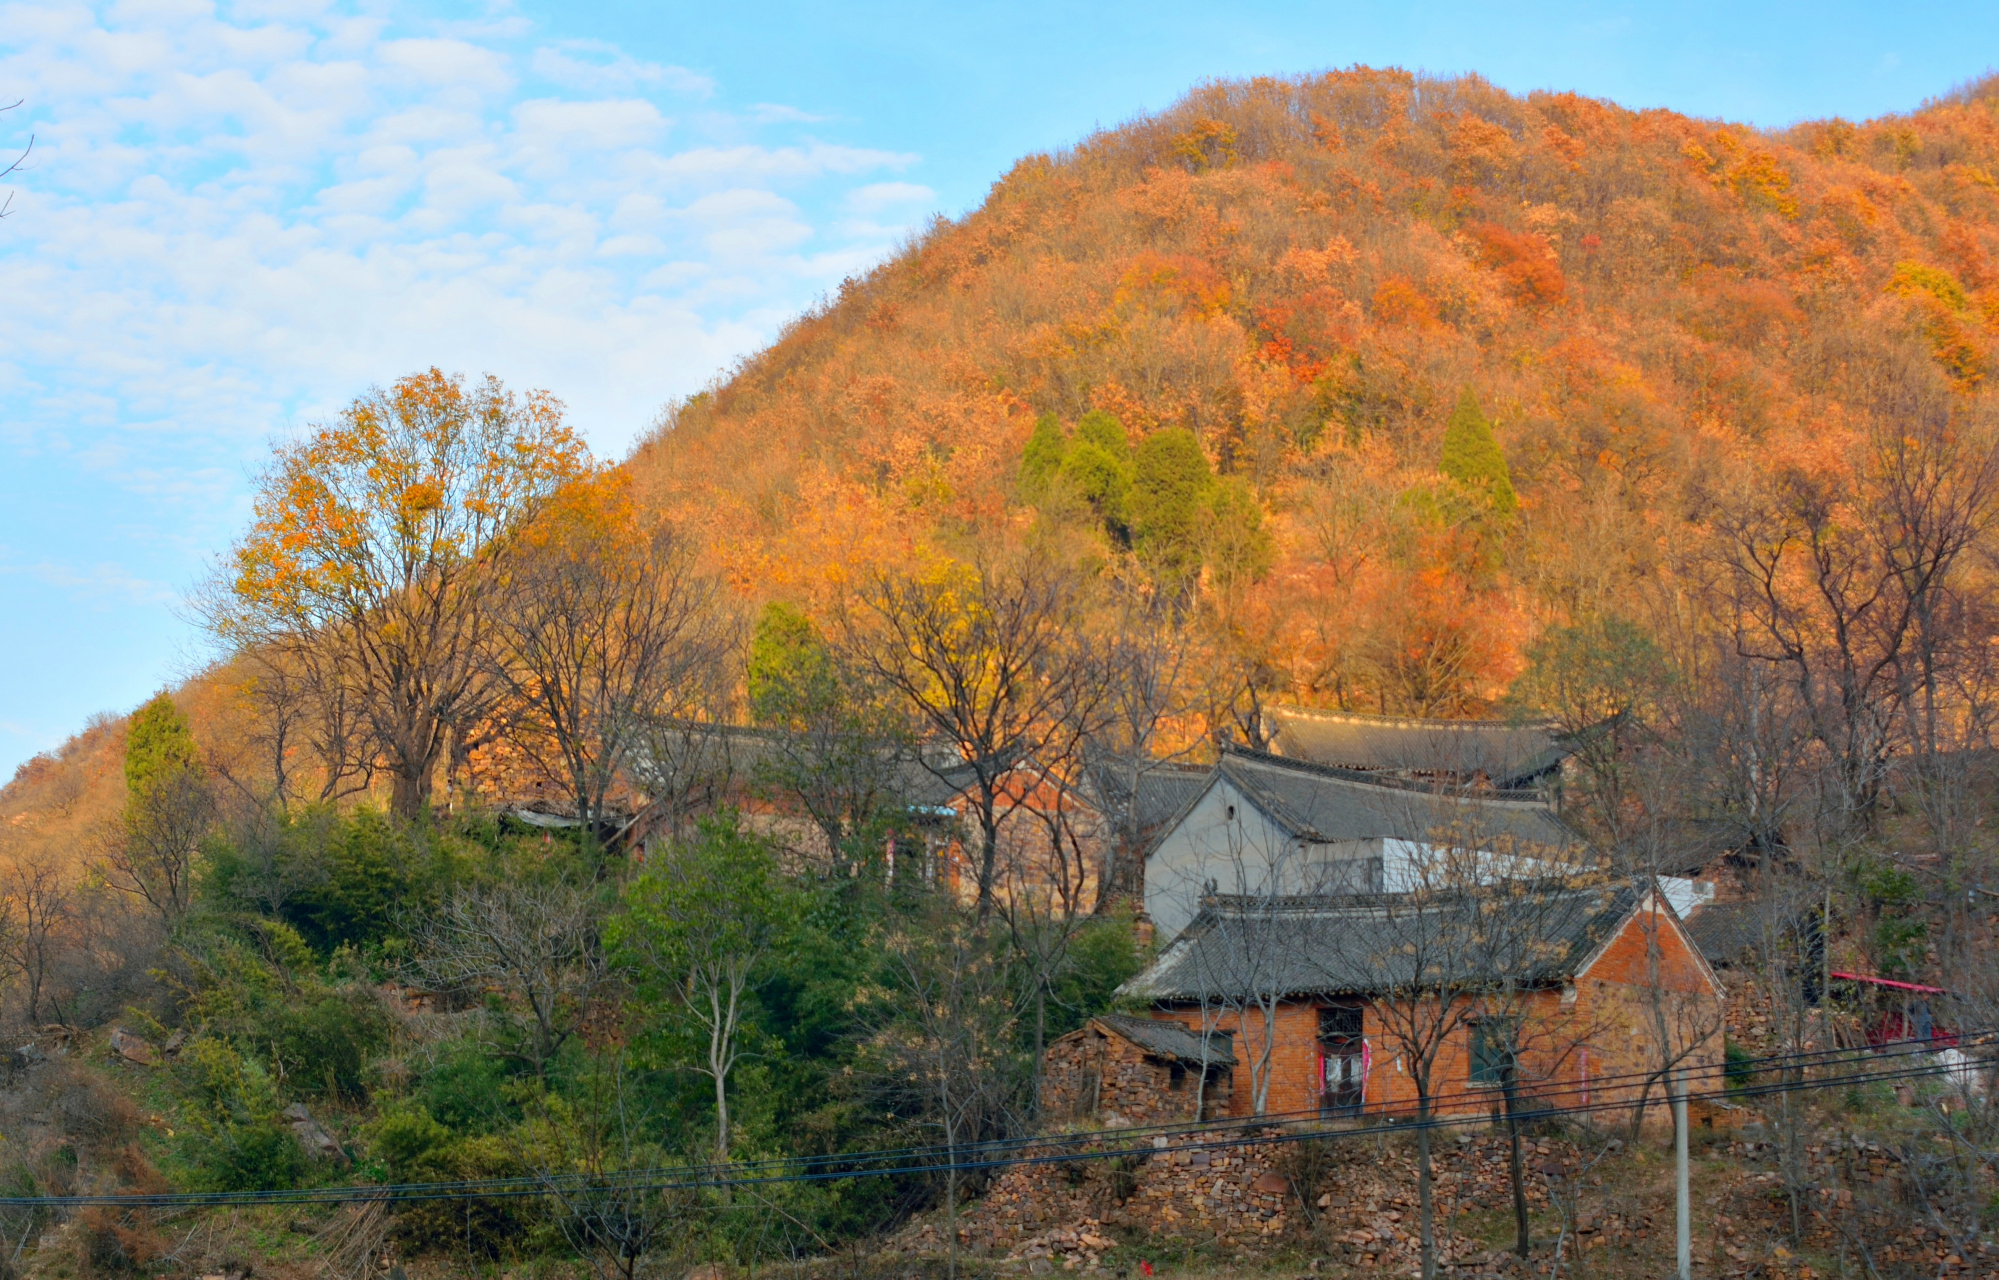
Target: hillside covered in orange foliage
{"x":1657,"y":315}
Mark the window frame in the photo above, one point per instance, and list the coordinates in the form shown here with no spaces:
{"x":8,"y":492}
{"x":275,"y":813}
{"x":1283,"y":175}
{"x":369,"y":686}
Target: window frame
{"x":1485,"y":1065}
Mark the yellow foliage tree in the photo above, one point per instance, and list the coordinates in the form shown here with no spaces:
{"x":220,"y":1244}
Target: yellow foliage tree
{"x":377,"y":549}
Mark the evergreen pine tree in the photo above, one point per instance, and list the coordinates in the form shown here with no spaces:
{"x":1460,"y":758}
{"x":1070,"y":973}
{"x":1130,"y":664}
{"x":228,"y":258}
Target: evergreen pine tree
{"x":1169,"y":497}
{"x":1043,"y":457}
{"x":158,"y":745}
{"x":1473,"y":458}
{"x":791,"y":676}
{"x":1103,"y":430}
{"x":1098,"y":468}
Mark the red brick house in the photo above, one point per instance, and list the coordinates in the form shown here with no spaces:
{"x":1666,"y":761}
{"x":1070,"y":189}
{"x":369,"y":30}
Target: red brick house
{"x":1583,"y":992}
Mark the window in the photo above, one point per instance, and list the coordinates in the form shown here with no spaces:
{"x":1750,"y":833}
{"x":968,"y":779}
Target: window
{"x":1491,"y":1052}
{"x":1176,"y":1078}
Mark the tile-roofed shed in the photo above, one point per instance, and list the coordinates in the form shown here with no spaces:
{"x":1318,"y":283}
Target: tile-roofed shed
{"x":1326,"y":804}
{"x":1506,"y":753}
{"x":1172,"y":1040}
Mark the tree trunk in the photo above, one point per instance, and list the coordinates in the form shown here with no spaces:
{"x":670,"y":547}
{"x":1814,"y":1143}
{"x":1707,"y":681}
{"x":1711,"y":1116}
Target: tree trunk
{"x":951,"y":1193}
{"x":1427,"y":1214}
{"x":988,"y":858}
{"x":1040,"y":1036}
{"x":1521,"y":1242}
{"x":409,"y":794}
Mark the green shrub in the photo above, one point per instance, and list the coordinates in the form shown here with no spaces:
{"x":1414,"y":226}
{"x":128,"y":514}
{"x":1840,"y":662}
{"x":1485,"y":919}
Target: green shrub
{"x":416,"y":1148}
{"x":324,"y":1040}
{"x":1736,"y":1072}
{"x":234,"y":1139}
{"x":466,"y":1091}
{"x":251,"y":1154}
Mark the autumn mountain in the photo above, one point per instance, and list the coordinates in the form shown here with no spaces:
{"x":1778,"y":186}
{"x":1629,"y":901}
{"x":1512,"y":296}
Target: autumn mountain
{"x":1652,"y":315}
{"x":1379,"y":377}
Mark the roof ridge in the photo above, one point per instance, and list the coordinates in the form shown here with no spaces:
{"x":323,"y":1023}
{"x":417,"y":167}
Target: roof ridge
{"x":1409,"y":722}
{"x":1387,"y":782}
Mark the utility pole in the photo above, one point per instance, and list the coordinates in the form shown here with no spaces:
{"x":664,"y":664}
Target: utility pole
{"x":1686,"y":1223}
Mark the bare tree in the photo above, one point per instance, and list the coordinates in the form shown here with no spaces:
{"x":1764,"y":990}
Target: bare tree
{"x":39,"y":904}
{"x":534,"y":941}
{"x":1462,"y":950}
{"x":603,"y":627}
{"x":943,"y":1039}
{"x":151,"y":854}
{"x":1842,"y":591}
{"x":1145,"y":659}
{"x":602,"y":1167}
{"x":1044,"y":882}
{"x":686,"y":767}
{"x":14,"y":165}
{"x":985,"y":656}
{"x":274,"y":852}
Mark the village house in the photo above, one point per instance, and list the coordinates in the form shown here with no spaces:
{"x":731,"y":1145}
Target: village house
{"x":1057,"y":834}
{"x":1262,"y":823}
{"x":1580,"y":992}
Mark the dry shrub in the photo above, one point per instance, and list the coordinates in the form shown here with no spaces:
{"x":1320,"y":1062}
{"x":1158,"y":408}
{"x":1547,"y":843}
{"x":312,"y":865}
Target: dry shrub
{"x":116,"y":1241}
{"x":86,"y":1109}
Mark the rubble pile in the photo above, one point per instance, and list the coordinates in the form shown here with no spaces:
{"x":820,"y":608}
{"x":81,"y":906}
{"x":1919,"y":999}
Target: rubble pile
{"x":1203,"y":1188}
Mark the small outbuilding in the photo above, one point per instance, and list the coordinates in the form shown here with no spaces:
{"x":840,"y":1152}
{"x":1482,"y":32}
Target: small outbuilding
{"x":1121,"y":1071}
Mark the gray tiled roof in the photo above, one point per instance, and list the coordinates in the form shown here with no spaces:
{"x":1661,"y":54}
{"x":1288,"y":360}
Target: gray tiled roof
{"x":1163,"y":789}
{"x":1523,"y":933}
{"x":1725,"y":932}
{"x":918,"y":777}
{"x":1172,"y":1040}
{"x":1315,"y":802}
{"x":1507,"y":753}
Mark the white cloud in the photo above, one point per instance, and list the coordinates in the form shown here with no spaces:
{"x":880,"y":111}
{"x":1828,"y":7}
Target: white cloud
{"x":547,"y":123}
{"x":597,"y":67}
{"x":96,"y":583}
{"x":744,"y":162}
{"x":778,"y":113}
{"x":877,"y":196}
{"x":450,"y":64}
{"x":237,"y":219}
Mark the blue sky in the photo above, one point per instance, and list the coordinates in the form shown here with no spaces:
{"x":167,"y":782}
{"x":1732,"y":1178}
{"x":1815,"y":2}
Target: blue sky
{"x":238,"y":215}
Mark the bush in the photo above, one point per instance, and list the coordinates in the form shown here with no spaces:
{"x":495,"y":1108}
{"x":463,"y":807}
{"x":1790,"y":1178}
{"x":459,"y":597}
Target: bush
{"x":115,"y":1241}
{"x":466,"y":1091}
{"x":1736,"y":1073}
{"x":87,"y":1109}
{"x":234,"y":1139}
{"x":251,"y":1154}
{"x":323,"y":1041}
{"x":416,"y":1148}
